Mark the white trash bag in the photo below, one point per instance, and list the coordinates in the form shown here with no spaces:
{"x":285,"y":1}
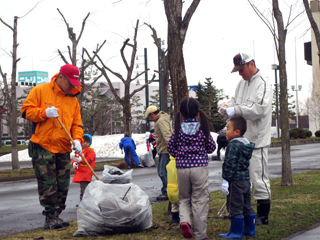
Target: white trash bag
{"x":147,"y":159}
{"x":114,"y":175}
{"x":113,"y":208}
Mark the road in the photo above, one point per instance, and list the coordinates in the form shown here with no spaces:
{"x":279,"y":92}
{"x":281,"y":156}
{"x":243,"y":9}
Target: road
{"x":20,"y":209}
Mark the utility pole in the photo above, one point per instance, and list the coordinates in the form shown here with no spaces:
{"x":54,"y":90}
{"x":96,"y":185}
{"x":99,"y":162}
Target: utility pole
{"x":160,"y":63}
{"x":147,"y":87}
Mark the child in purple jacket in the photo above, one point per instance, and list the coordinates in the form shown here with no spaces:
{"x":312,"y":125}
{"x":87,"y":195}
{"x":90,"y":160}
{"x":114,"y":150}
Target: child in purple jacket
{"x":190,"y":144}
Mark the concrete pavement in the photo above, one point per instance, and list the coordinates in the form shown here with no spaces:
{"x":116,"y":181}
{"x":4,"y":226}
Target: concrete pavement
{"x":311,"y":234}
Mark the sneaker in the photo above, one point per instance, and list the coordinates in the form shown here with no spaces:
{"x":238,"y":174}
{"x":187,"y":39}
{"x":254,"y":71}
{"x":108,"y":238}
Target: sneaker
{"x":140,"y":165}
{"x":52,"y":221}
{"x":186,"y":230}
{"x":162,"y":197}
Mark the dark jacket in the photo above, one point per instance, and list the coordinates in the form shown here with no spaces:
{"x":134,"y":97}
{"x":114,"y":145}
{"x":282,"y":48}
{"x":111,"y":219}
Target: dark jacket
{"x":237,"y":160}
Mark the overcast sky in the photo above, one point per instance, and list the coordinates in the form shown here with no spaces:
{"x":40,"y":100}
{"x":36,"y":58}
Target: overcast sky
{"x":218,"y":31}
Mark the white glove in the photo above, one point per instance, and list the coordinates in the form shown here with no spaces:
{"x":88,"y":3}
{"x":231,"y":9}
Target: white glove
{"x":121,"y":151}
{"x":222,"y":154}
{"x":52,"y":112}
{"x":224,"y":187}
{"x":76,"y":157}
{"x":147,"y":135}
{"x":230,"y":111}
{"x":77,"y":147}
{"x":75,"y":165}
{"x":222,"y":111}
{"x":151,"y":147}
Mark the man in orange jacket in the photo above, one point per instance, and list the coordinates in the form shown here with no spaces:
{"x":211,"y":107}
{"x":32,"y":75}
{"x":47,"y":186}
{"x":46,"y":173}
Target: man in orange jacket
{"x":50,"y":146}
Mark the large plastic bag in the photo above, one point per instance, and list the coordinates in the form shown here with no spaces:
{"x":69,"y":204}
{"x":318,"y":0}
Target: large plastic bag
{"x":172,"y":187}
{"x":114,"y":175}
{"x":113,"y":208}
{"x":147,"y":159}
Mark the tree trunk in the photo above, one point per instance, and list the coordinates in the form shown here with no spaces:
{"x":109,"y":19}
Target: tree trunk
{"x":13,"y":102}
{"x":127,"y":118}
{"x":177,"y":30}
{"x":285,"y":137}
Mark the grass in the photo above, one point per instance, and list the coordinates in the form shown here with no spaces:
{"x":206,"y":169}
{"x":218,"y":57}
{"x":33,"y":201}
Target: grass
{"x":7,"y":149}
{"x":293,"y":209}
{"x":293,"y":139}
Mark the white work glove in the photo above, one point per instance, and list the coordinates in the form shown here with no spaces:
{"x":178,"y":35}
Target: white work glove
{"x":147,"y":135}
{"x":151,"y":147}
{"x":77,"y":147}
{"x":76,"y":157}
{"x":230,"y":111}
{"x":121,"y":151}
{"x":222,"y":111}
{"x":75,"y":165}
{"x":224,"y":187}
{"x":52,"y":112}
{"x":222,"y":154}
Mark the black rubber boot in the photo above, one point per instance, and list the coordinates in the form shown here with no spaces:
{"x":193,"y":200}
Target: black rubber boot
{"x":263,"y":209}
{"x":175,"y":217}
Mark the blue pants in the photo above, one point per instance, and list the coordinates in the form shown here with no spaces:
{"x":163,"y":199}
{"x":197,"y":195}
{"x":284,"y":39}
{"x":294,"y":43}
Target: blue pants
{"x":163,"y":160}
{"x":130,"y":148}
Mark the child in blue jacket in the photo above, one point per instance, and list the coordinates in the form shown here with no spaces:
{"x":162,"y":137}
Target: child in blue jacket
{"x":129,"y":145}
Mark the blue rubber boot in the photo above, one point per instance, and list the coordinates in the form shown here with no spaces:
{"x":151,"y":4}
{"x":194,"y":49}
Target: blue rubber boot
{"x":236,"y":229}
{"x":249,"y":226}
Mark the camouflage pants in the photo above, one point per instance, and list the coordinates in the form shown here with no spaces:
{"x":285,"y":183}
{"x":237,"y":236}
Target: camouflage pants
{"x":83,"y":186}
{"x":53,"y":174}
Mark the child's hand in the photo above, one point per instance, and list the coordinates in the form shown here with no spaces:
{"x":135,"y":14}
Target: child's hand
{"x":76,"y":157}
{"x":121,"y":151}
{"x":75,"y":165}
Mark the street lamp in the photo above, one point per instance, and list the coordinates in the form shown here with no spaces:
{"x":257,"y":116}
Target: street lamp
{"x":275,"y":67}
{"x":296,"y":89}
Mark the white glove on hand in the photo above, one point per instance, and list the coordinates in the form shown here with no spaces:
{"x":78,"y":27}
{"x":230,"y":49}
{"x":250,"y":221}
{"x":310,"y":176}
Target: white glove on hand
{"x":147,"y":135}
{"x":77,"y":147}
{"x":75,"y":165}
{"x":52,"y":112}
{"x":222,"y":154}
{"x":222,"y":111}
{"x":121,"y":151}
{"x":230,"y":111}
{"x":224,"y":187}
{"x":151,"y":147}
{"x":76,"y":157}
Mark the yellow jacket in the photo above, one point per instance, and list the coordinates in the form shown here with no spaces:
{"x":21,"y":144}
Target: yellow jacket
{"x":48,"y":132}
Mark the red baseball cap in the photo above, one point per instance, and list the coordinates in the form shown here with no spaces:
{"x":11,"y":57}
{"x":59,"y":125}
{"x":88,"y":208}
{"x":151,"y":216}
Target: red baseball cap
{"x":71,"y":73}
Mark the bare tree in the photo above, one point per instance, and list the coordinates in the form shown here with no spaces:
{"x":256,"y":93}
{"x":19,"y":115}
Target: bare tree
{"x":72,"y":53}
{"x":279,"y":33}
{"x":312,"y":106}
{"x":10,"y":94}
{"x":177,"y":31}
{"x":125,"y":101}
{"x":165,"y":71}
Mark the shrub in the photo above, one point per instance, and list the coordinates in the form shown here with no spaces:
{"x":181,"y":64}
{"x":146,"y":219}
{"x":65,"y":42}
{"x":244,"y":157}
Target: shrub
{"x":293,"y":134}
{"x":308,"y":133}
{"x":301,"y":132}
{"x":317,"y":133}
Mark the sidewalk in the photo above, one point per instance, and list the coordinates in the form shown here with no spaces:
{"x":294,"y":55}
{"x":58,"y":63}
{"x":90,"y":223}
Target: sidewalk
{"x":311,"y":234}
